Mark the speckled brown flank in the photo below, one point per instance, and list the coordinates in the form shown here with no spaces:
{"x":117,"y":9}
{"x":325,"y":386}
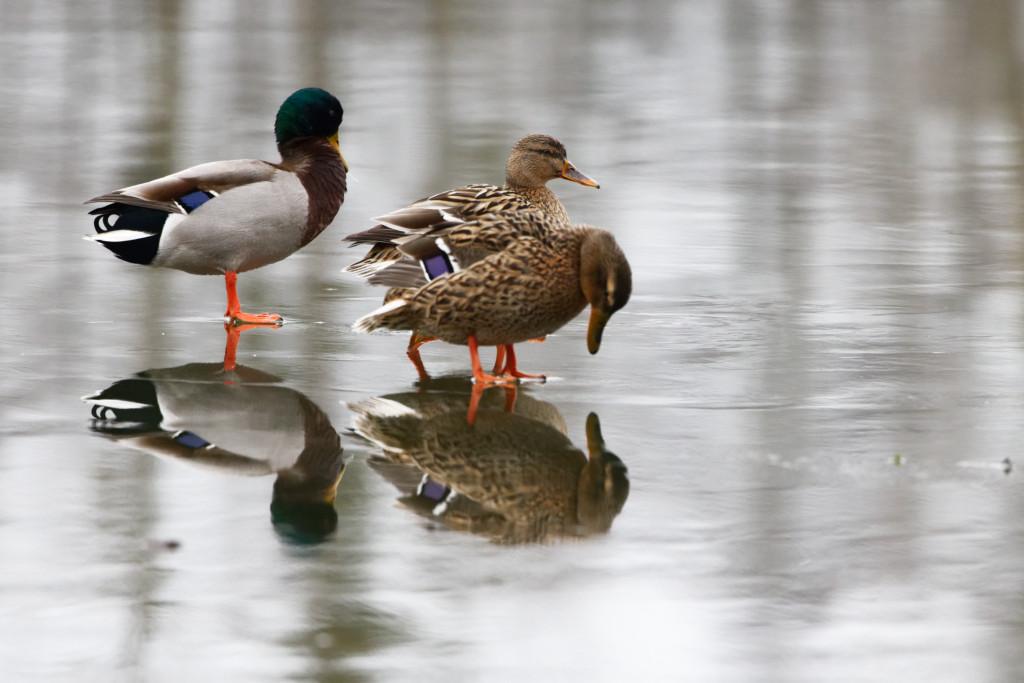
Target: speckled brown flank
{"x":532,"y":286}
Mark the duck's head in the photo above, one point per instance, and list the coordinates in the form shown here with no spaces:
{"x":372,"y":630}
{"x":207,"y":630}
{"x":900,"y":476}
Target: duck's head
{"x":536,"y":159}
{"x":309,"y":113}
{"x":603,"y":484}
{"x":606,"y":280}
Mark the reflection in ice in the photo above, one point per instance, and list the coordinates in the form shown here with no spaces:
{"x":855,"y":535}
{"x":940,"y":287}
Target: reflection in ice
{"x":241,"y":423}
{"x":512,"y":475}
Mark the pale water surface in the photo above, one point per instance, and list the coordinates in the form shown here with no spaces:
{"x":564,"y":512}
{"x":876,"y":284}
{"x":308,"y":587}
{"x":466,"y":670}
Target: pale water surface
{"x":816,"y":392}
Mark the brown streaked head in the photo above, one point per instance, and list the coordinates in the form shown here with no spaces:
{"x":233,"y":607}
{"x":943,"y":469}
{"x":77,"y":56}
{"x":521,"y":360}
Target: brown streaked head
{"x":606,"y":280}
{"x":536,"y":159}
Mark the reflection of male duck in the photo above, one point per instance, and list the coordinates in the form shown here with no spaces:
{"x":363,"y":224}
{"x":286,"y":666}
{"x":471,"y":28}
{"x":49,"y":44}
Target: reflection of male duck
{"x":238,"y":422}
{"x":512,"y":476}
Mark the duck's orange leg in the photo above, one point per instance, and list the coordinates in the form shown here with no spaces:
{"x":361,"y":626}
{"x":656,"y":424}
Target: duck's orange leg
{"x":501,"y":369}
{"x":474,"y":402}
{"x":413,"y":352}
{"x":510,"y":369}
{"x":234,"y":312}
{"x":511,"y":392}
{"x":479,"y":375}
{"x":231,"y":347}
{"x":499,"y":361}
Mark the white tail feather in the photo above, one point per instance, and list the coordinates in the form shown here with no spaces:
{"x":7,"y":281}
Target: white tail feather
{"x":114,"y":403}
{"x":379,"y":406}
{"x":370,"y":322}
{"x":118,"y":236}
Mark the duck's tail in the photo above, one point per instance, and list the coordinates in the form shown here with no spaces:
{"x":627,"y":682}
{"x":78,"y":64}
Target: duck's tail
{"x":131,"y":232}
{"x":393,"y":315}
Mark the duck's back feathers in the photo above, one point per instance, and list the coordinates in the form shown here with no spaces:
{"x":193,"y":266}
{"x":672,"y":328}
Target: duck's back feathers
{"x":215,"y":177}
{"x":388,"y":264}
{"x":405,"y":240}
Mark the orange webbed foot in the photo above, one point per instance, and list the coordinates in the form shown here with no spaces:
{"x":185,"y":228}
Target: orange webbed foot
{"x":234,"y":313}
{"x":511,"y":369}
{"x":479,"y":376}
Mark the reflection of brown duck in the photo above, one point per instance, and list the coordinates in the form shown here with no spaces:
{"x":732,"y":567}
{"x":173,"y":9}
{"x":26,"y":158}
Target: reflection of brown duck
{"x":511,"y":476}
{"x":239,"y":422}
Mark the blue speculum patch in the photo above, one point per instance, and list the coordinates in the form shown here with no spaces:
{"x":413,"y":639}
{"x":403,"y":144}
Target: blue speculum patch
{"x":193,"y":200}
{"x":431,"y":490}
{"x":436,"y":266}
{"x":190,"y":440}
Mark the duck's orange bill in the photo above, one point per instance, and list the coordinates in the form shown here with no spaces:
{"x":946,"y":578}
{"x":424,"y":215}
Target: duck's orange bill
{"x":598,"y":319}
{"x":569,"y":172}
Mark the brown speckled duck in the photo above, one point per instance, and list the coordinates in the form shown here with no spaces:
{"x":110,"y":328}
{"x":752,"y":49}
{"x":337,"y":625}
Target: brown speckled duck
{"x":228,"y":217}
{"x":534,"y":160}
{"x":539,"y":274}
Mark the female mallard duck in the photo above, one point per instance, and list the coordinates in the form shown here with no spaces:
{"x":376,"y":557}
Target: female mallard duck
{"x":540,"y":273}
{"x":534,"y":160}
{"x":227,"y":217}
{"x":514,"y":477}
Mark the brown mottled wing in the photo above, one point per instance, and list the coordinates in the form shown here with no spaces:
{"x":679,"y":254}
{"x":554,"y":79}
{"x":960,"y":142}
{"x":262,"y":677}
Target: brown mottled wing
{"x":428,"y":217}
{"x":497,"y":232}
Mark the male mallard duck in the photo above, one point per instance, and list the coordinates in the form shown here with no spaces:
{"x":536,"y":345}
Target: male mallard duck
{"x":534,"y":160}
{"x":539,"y":275}
{"x":227,"y":217}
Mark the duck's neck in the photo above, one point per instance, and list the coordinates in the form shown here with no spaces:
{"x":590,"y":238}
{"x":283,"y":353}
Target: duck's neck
{"x":322,"y":174}
{"x":542,"y":197}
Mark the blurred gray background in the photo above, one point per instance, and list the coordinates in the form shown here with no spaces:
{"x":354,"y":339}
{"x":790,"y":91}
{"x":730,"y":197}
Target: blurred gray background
{"x":817,"y":388}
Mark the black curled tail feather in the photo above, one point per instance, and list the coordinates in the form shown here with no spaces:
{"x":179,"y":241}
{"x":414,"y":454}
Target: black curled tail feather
{"x":148,"y":222}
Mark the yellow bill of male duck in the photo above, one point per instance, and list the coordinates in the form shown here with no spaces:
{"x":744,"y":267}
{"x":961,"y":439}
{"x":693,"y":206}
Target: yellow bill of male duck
{"x":229,"y":217}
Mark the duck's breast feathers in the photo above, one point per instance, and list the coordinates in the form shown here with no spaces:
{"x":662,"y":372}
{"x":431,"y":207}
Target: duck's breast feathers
{"x":217,"y":177}
{"x":322,"y":172}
